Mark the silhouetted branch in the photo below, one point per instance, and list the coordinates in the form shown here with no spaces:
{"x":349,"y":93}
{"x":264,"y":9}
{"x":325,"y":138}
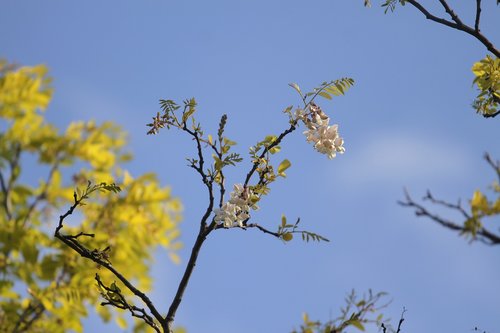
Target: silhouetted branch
{"x":478,"y":15}
{"x":482,"y":234}
{"x":401,"y":320}
{"x":457,"y":23}
{"x":101,"y":258}
{"x":472,"y":224}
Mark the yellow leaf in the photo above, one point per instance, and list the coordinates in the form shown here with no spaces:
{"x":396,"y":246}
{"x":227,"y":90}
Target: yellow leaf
{"x":122,"y":323}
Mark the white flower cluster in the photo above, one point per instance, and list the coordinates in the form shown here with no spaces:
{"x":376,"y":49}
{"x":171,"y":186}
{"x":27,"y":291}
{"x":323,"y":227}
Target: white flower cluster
{"x":236,"y":210}
{"x":325,"y":138}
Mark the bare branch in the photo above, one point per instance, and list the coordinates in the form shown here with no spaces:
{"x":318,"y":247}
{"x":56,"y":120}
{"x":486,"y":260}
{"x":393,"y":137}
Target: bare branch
{"x":29,"y":315}
{"x":450,"y":11}
{"x":456,"y":206}
{"x":494,"y":165}
{"x":204,"y":231}
{"x":457,"y":23}
{"x":482,"y":234}
{"x":478,"y":15}
{"x":264,"y":230}
{"x":72,"y":242}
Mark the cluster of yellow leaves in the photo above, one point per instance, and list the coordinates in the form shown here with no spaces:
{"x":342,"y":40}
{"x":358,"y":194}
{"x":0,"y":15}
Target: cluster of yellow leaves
{"x":481,"y":207}
{"x":44,"y":286}
{"x":487,"y":72}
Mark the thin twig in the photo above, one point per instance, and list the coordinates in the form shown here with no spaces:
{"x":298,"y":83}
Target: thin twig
{"x":203,"y":232}
{"x":446,"y":204}
{"x":478,"y":15}
{"x":7,"y":187}
{"x":450,"y":12}
{"x":292,"y":128}
{"x":482,"y":234}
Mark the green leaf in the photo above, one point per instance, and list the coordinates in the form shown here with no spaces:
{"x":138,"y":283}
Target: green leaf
{"x":296,"y":87}
{"x":325,"y":95}
{"x":283,"y":166}
{"x":275,"y":149}
{"x":229,"y":142}
{"x":333,"y":90}
{"x":356,"y":323}
{"x":287,"y":237}
{"x":283,"y":220}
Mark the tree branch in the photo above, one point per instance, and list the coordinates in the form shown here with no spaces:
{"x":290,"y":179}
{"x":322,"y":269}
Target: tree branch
{"x":493,"y":115}
{"x":450,"y":11}
{"x":457,"y":23}
{"x":478,"y":15}
{"x":292,"y":128}
{"x":72,"y":242}
{"x":204,"y":232}
{"x":28,"y":317}
{"x":482,"y":233}
{"x":7,"y":187}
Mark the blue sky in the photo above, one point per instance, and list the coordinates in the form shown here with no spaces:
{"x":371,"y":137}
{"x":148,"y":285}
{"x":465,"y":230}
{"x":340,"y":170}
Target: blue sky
{"x":406,"y":123}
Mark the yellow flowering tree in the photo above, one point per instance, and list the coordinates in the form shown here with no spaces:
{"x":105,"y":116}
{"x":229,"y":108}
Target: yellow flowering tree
{"x":44,"y":287}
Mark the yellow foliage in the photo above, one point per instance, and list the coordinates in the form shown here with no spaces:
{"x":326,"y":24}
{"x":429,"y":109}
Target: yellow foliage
{"x":48,"y":275}
{"x":487,"y":72}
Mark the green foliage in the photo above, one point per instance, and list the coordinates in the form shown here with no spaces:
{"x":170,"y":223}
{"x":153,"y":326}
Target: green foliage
{"x":286,"y":231}
{"x":387,"y":4}
{"x":487,"y":72}
{"x":357,"y":312}
{"x":325,"y":89}
{"x":42,"y":282}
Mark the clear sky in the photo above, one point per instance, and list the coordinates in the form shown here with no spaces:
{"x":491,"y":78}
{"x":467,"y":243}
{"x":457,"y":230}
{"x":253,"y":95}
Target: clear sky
{"x":406,"y":123}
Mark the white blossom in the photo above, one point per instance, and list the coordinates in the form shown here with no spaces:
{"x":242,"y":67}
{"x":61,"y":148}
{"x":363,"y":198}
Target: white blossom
{"x":236,"y":210}
{"x":325,"y":138}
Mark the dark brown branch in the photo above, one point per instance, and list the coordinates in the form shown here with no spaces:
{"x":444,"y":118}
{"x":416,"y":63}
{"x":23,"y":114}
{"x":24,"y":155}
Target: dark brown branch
{"x":457,"y":24}
{"x":121,"y":303}
{"x":493,"y":115}
{"x":251,"y":225}
{"x":202,"y":235}
{"x":482,"y":234}
{"x":201,"y":161}
{"x":264,"y":230}
{"x":7,"y":187}
{"x":292,"y":128}
{"x":401,"y":320}
{"x":450,"y":12}
{"x":72,"y":242}
{"x":28,"y":317}
{"x":79,"y":235}
{"x":446,"y":204}
{"x":204,"y":231}
{"x":31,"y":314}
{"x":5,"y":193}
{"x":478,"y":15}
{"x":494,"y":165}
